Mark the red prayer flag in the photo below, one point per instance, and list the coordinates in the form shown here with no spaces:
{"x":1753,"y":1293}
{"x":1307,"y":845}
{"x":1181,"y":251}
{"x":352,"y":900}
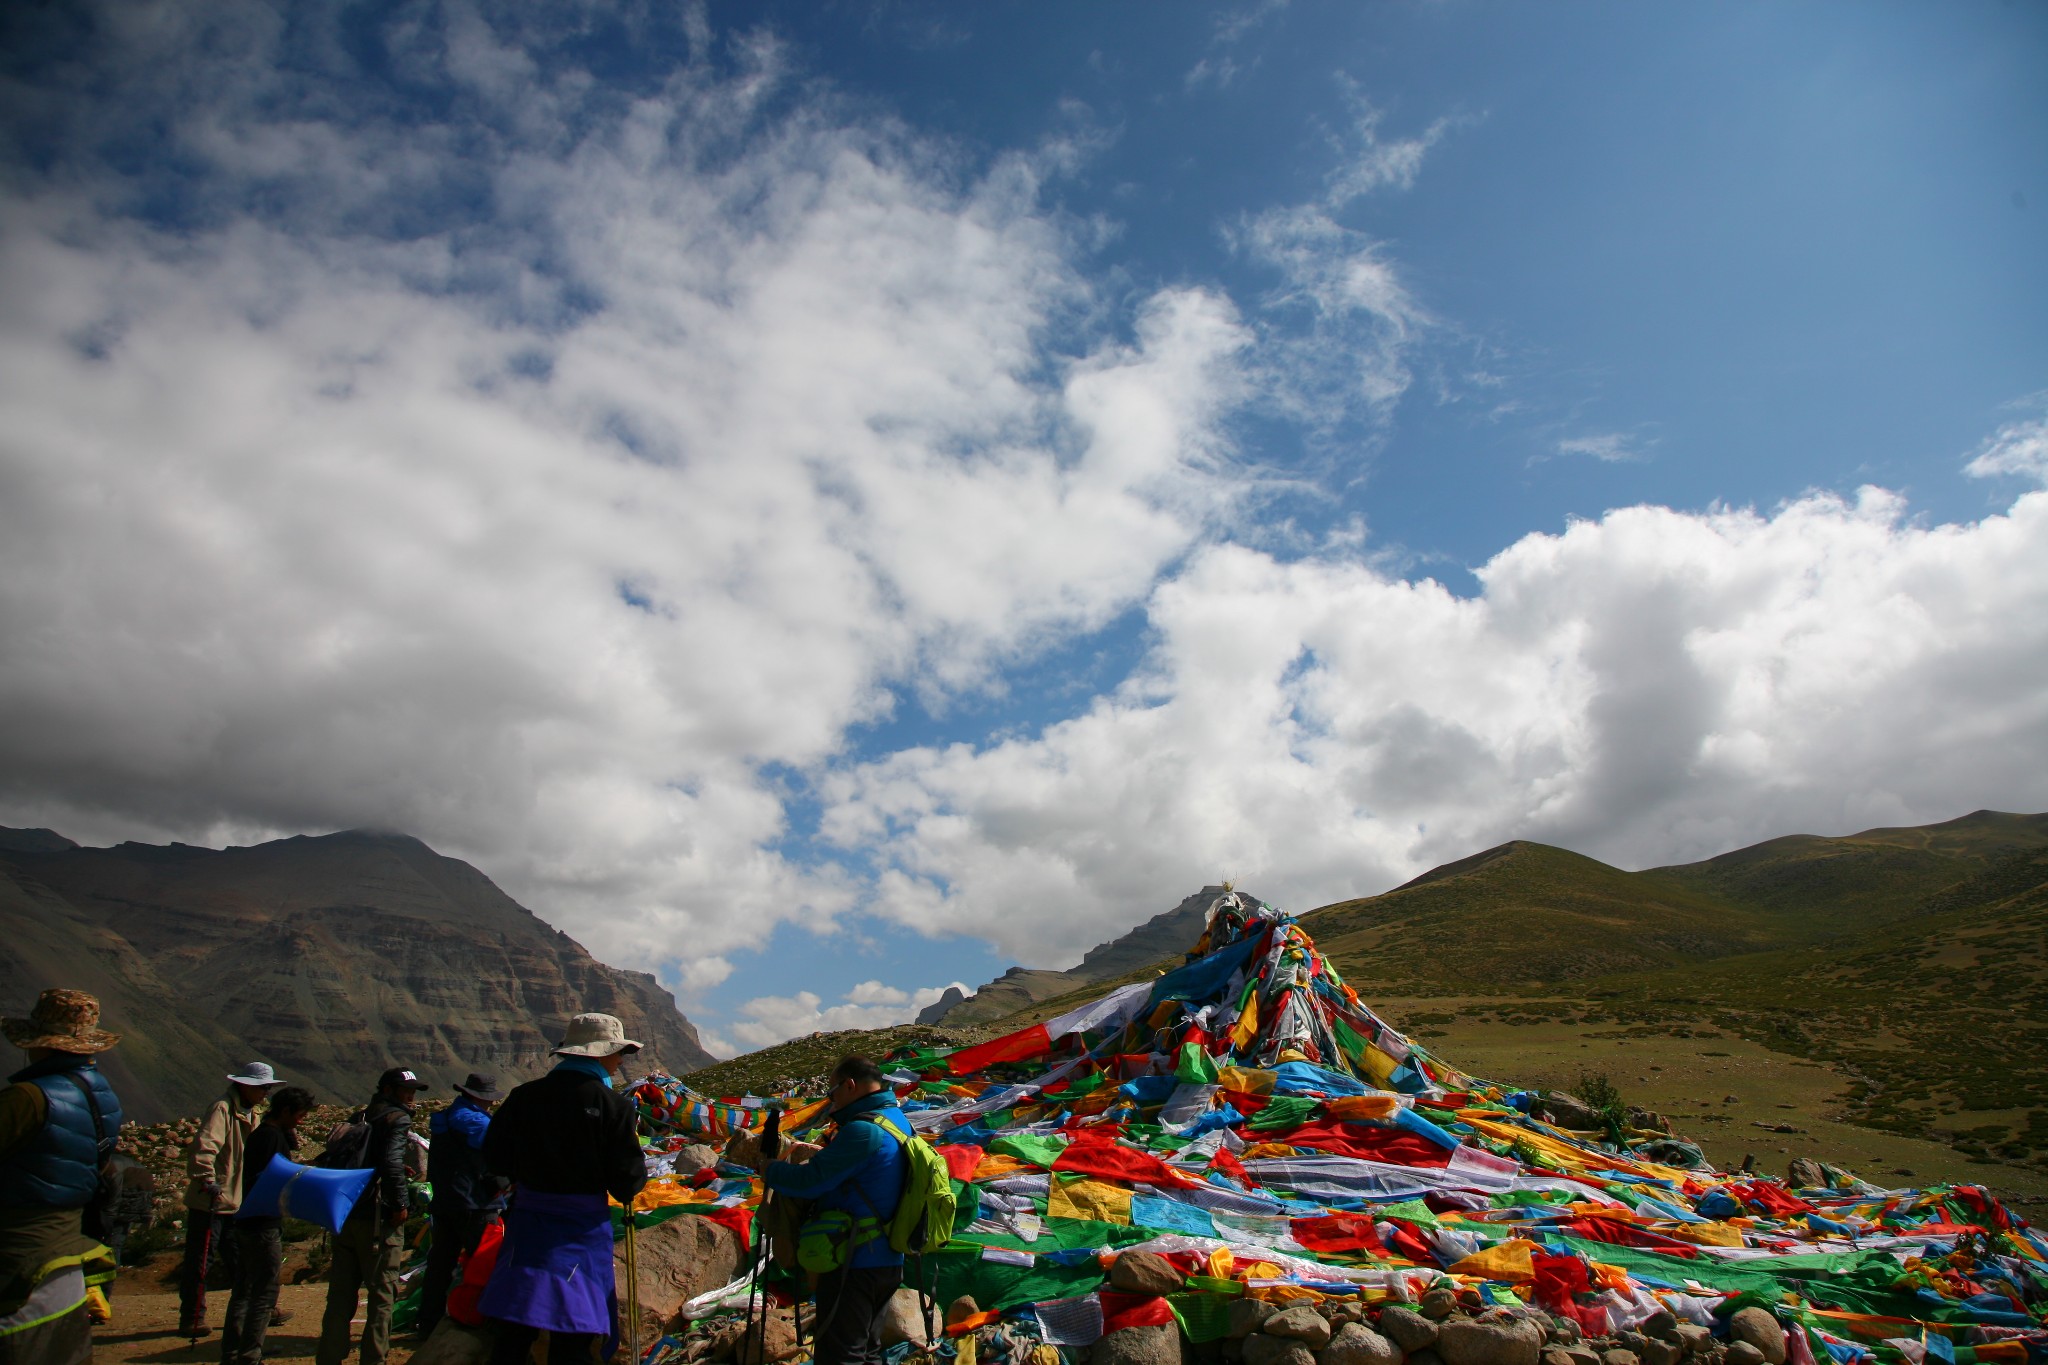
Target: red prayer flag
{"x":1337,"y":1232}
{"x":1115,"y":1162}
{"x":961,"y":1159}
{"x":1133,"y":1310}
{"x":1015,"y":1047}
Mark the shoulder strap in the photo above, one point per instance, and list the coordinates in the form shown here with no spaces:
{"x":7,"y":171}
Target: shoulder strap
{"x":883,"y":1123}
{"x":92,"y":1102}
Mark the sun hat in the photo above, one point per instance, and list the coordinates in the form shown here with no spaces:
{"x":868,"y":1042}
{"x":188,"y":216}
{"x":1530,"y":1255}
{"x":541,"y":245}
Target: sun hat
{"x":68,"y":1021}
{"x":255,"y":1073}
{"x":595,"y":1035}
{"x":400,"y":1078}
{"x":481,"y":1087}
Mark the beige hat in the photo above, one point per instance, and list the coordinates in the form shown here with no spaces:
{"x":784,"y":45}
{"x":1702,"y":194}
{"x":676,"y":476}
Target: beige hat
{"x":68,"y":1021}
{"x":595,"y":1035}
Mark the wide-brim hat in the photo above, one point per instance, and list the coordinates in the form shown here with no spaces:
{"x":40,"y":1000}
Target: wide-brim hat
{"x":595,"y":1035}
{"x":255,"y":1073}
{"x":480,"y":1087}
{"x":68,"y":1021}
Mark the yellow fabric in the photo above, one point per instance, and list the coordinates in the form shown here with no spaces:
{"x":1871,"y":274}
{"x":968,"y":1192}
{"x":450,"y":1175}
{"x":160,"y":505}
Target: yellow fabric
{"x":1356,"y":1108}
{"x":1511,"y":1261}
{"x":1707,"y":1234}
{"x":1088,"y":1198}
{"x":1246,"y":1081}
{"x":803,"y":1116}
{"x":1246,"y":1029}
{"x":1380,"y":1066}
{"x":1222,"y":1263}
{"x":666,"y":1191}
{"x":1260,"y":1150}
{"x":995,"y":1165}
{"x":1292,"y":1054}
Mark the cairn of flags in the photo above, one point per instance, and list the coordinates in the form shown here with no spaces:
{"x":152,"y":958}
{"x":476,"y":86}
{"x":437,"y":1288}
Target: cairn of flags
{"x":1250,"y":1119}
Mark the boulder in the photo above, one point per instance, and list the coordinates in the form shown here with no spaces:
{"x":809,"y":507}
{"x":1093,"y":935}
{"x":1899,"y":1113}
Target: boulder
{"x":1582,"y":1354}
{"x":1407,"y":1328}
{"x":1618,"y":1355}
{"x":695,"y":1157}
{"x":1260,"y":1349}
{"x":1301,"y":1322}
{"x":680,"y":1258}
{"x":1567,"y":1111}
{"x":1761,"y":1330}
{"x":961,"y":1309}
{"x":1693,"y":1337}
{"x":1247,"y":1316}
{"x":773,"y":1338}
{"x":453,"y":1344}
{"x":903,"y":1318}
{"x":1742,"y":1353}
{"x":1357,"y":1344}
{"x":1146,"y":1272}
{"x":1439,"y":1303}
{"x":1139,"y":1346}
{"x":1465,"y":1342}
{"x":1662,"y":1325}
{"x":1806,"y":1174}
{"x":1657,"y":1351}
{"x":1556,"y":1355}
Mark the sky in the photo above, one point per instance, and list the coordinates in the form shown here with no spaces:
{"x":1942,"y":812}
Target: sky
{"x":824,"y":502}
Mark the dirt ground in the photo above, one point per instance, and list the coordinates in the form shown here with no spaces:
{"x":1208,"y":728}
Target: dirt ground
{"x":145,"y":1325}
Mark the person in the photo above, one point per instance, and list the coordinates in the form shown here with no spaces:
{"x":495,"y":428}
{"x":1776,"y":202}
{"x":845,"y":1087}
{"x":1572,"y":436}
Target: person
{"x":59,"y":1121}
{"x":860,"y":1170}
{"x":259,"y":1251}
{"x":371,"y":1243}
{"x":565,"y":1141}
{"x":466,"y":1196}
{"x":213,"y":1187}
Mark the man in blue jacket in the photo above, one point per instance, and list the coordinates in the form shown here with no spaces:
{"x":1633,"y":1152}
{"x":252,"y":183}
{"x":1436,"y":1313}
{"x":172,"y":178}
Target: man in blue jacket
{"x":466,"y":1196}
{"x":861,"y":1170}
{"x":59,"y":1122}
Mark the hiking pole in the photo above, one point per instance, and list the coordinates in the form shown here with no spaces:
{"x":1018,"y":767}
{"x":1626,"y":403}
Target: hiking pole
{"x":632,"y":1285}
{"x":771,"y":1147}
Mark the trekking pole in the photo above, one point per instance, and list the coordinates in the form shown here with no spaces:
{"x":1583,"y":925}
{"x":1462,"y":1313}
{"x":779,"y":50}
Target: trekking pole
{"x":771,"y":1147}
{"x":632,"y":1285}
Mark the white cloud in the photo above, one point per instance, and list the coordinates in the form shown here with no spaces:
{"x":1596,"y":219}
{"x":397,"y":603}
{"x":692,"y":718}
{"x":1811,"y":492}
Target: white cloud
{"x":533,"y":477}
{"x":2018,"y":448}
{"x":769,"y":1019}
{"x":1649,"y":687}
{"x":1610,"y":447}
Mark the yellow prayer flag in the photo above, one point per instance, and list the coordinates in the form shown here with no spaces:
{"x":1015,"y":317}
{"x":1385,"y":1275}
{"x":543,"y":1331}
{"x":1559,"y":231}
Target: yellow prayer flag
{"x":1512,"y":1261}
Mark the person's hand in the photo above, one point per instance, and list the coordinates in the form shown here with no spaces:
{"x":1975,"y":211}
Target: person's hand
{"x":394,"y":1219}
{"x":800,"y":1152}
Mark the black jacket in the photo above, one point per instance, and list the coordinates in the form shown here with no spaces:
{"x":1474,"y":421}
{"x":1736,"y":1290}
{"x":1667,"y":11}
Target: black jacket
{"x":567,"y":1133}
{"x":390,"y":1141}
{"x":266,"y":1142}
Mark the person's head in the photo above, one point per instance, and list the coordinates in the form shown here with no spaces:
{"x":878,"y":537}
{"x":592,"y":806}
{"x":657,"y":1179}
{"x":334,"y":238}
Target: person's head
{"x":400,"y":1085}
{"x":63,"y":1023}
{"x":481,"y":1090}
{"x":854,"y":1078}
{"x":289,"y":1105}
{"x":600,"y":1037}
{"x":253,"y":1083}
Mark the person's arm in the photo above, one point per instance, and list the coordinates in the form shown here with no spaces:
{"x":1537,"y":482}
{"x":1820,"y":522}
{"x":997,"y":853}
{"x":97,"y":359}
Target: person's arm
{"x":202,"y":1157}
{"x":497,"y":1147}
{"x":625,"y":1168}
{"x":391,"y":1135}
{"x":265,"y":1143}
{"x":851,"y":1148}
{"x":23,"y":1109}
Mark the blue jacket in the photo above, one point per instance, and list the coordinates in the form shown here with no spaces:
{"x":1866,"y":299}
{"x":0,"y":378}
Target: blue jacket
{"x":59,"y":1166}
{"x":861,"y":1170}
{"x":455,"y":1158}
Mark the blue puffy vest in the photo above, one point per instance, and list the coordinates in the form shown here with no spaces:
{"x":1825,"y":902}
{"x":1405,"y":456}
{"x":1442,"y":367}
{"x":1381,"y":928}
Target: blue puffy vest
{"x":58,"y":1167}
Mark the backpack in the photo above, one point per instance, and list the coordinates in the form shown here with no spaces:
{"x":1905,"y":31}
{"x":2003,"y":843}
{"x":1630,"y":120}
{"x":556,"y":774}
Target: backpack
{"x":348,"y":1145}
{"x":923,"y":1220}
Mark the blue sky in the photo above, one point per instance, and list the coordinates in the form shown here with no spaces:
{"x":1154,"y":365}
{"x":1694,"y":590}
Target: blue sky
{"x":839,"y":499}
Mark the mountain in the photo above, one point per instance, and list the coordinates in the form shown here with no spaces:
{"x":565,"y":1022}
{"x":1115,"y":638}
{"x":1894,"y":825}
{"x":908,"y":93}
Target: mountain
{"x":1165,"y":935}
{"x":331,"y":957}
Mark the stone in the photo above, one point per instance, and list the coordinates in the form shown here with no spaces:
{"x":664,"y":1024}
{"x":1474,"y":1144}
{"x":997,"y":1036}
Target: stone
{"x":1742,"y":1353}
{"x":1407,"y":1328}
{"x":1662,"y":1324}
{"x":679,"y":1259}
{"x":1439,"y":1304}
{"x":1139,"y":1346}
{"x":1616,"y":1355}
{"x":1693,"y":1337}
{"x":1301,"y":1322}
{"x":453,"y":1344}
{"x":1146,"y":1272}
{"x":903,"y":1318}
{"x":1805,"y":1173}
{"x":1761,"y":1330}
{"x":1342,"y":1311}
{"x":1657,"y":1351}
{"x":1556,"y":1355}
{"x":773,"y":1338}
{"x":1357,"y":1344}
{"x":1260,"y":1349}
{"x":695,"y":1157}
{"x":1426,"y":1356}
{"x":1465,"y":1342}
{"x":1566,"y":1111}
{"x":961,"y":1309}
{"x":1583,"y":1354}
{"x":1247,"y":1316}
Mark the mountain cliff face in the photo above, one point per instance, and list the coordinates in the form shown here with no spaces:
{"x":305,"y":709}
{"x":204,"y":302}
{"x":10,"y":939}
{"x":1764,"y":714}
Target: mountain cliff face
{"x":330,"y":957}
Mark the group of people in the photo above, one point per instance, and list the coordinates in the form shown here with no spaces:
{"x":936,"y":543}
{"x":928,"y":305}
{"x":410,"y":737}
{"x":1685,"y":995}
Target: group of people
{"x":546,"y":1165}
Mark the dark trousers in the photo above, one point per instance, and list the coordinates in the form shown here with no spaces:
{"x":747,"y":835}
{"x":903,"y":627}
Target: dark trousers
{"x":206,"y":1242}
{"x":259,"y":1263}
{"x":455,"y":1235}
{"x":513,"y":1344}
{"x":849,"y":1305}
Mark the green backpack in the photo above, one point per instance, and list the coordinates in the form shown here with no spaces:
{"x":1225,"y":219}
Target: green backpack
{"x":923,"y":1221}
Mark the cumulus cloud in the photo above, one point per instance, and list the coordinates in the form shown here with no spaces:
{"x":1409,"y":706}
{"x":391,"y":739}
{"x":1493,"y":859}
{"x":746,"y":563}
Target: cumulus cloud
{"x":452,"y":441}
{"x":1652,"y":686}
{"x":768,"y":1019}
{"x":2017,"y":448}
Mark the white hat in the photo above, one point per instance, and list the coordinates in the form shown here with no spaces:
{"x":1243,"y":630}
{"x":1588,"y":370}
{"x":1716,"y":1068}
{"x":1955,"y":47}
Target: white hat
{"x":595,"y":1035}
{"x":256,"y":1073}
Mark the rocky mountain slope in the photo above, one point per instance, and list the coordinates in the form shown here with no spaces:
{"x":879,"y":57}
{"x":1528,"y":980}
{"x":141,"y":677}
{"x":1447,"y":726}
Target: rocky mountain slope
{"x":331,"y":957}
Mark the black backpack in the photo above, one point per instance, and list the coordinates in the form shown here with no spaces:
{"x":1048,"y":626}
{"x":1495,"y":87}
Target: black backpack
{"x":348,"y":1146}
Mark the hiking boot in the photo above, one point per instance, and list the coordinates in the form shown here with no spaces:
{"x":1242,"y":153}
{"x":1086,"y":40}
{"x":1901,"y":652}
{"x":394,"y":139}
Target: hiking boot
{"x":195,"y":1330}
{"x":280,"y":1316}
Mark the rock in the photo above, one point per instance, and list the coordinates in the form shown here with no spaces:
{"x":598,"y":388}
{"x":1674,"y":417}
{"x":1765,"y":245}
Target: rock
{"x":1616,"y":1355}
{"x":1139,"y":1346}
{"x":1146,"y":1272}
{"x":1247,"y":1316}
{"x":1439,"y":1304}
{"x":1566,"y":1111}
{"x":1463,"y":1342}
{"x":1260,"y":1349}
{"x":903,"y":1318}
{"x":679,"y":1258}
{"x":772,"y":1339}
{"x":1426,"y":1356}
{"x":453,"y":1344}
{"x":1407,"y":1328}
{"x":1301,"y":1322}
{"x":1583,"y":1355}
{"x":961,"y":1309}
{"x":1357,"y":1344}
{"x":1342,"y":1311}
{"x":1662,"y":1325}
{"x":1804,"y":1173}
{"x":1556,"y":1355}
{"x":1761,"y":1330}
{"x":1657,"y":1351}
{"x":1742,"y":1353}
{"x":695,"y":1157}
{"x":1693,"y":1337}
{"x":1562,"y":1332}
